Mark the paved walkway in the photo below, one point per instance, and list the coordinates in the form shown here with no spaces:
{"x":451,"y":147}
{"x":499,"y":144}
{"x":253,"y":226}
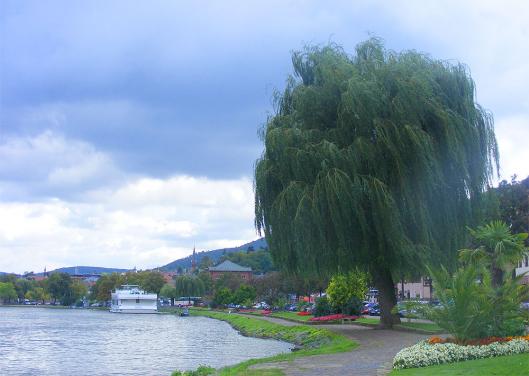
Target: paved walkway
{"x":373,"y":356}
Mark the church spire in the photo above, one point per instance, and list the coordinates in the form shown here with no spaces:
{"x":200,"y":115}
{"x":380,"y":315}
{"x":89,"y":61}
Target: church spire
{"x":194,"y":260}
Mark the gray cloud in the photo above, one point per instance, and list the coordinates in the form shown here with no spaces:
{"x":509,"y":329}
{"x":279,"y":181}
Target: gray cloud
{"x":99,"y":97}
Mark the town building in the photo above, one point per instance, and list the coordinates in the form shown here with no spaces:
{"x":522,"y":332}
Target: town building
{"x":230,"y":268}
{"x":421,"y":289}
{"x":523,"y":267}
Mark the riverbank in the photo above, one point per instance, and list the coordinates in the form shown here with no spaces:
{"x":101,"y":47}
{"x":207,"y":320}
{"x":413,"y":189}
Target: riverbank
{"x":308,"y":340}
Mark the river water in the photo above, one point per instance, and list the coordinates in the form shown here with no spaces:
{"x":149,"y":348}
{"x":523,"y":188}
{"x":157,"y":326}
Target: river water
{"x":39,"y":341}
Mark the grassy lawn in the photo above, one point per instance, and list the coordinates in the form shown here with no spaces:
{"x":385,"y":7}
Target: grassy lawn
{"x":429,"y":327}
{"x":291,"y":316}
{"x":512,"y":365}
{"x":368,"y":320}
{"x":314,"y":341}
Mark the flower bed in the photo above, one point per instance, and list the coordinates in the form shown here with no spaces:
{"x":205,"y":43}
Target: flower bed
{"x":426,"y":354}
{"x":247,"y":310}
{"x":303,"y":313}
{"x":266,"y":312}
{"x":474,"y":342}
{"x":334,"y":317}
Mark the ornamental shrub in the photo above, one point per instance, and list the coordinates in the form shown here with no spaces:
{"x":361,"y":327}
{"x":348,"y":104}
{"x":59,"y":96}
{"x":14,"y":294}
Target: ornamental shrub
{"x":472,"y":308}
{"x":353,"y":306}
{"x":343,"y":287}
{"x":323,"y":307}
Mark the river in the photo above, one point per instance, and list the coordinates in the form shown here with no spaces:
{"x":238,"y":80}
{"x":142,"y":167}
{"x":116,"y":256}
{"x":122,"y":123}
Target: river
{"x":40,"y":341}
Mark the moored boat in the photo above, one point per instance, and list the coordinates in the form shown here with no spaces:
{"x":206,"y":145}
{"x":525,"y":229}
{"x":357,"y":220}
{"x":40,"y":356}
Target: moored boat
{"x":132,"y":299}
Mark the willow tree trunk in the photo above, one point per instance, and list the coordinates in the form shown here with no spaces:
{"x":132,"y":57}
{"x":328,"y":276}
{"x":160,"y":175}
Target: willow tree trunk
{"x":386,"y":297}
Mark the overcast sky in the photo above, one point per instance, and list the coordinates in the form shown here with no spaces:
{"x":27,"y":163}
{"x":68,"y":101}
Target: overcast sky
{"x":128,"y":129}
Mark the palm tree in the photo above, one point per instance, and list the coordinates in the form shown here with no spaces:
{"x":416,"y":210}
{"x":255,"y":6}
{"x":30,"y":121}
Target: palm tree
{"x":498,"y":249}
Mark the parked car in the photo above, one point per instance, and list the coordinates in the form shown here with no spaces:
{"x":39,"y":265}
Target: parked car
{"x":261,"y":305}
{"x":374,"y":310}
{"x":366,"y":307}
{"x":291,"y":307}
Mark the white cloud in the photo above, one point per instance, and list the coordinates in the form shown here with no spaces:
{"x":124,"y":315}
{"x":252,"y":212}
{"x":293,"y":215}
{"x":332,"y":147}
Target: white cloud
{"x":49,"y":162}
{"x":135,"y":221}
{"x":146,"y":223}
{"x":513,"y":135}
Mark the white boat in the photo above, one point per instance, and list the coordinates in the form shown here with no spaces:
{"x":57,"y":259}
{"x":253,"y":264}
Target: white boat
{"x":132,"y":299}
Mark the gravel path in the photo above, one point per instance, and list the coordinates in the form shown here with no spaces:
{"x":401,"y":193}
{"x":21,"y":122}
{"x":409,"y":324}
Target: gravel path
{"x":373,"y":356}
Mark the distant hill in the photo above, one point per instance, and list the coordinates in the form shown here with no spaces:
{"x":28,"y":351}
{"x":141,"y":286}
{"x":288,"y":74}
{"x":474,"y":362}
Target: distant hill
{"x":214,"y":255}
{"x":88,"y":270}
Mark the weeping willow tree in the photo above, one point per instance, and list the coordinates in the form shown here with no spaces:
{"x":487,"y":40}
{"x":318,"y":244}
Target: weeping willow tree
{"x":377,"y":160}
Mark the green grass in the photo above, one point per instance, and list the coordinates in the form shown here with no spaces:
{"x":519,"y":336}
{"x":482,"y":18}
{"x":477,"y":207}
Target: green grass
{"x":291,"y":316}
{"x":312,"y":340}
{"x":512,"y":365}
{"x":368,"y":320}
{"x":429,"y":327}
{"x":423,"y":326}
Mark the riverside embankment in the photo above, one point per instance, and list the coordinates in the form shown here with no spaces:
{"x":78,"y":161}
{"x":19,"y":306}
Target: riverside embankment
{"x":334,"y":350}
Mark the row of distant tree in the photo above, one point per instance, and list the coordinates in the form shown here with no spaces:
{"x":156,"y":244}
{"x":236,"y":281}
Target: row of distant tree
{"x":57,"y":288}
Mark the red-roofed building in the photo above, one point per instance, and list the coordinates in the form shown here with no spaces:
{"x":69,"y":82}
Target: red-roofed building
{"x":228,"y":267}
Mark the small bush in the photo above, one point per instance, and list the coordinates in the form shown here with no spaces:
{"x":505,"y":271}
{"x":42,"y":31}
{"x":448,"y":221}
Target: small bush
{"x":352,"y":307}
{"x":323,"y":307}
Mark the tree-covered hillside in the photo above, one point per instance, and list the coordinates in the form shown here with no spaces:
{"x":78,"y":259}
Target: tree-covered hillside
{"x":214,"y":255}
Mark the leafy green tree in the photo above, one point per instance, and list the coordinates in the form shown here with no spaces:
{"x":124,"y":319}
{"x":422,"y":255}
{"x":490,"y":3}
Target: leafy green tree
{"x":151,"y":281}
{"x":79,"y":290}
{"x":168,"y":291}
{"x":497,"y":248}
{"x":270,"y":288}
{"x":22,"y":286}
{"x":513,"y":199}
{"x":231,"y":281}
{"x":223,"y":296}
{"x":205,"y":277}
{"x":7,"y":292}
{"x":377,"y":160}
{"x":59,"y":286}
{"x":343,"y":287}
{"x":245,"y":295}
{"x":38,"y":294}
{"x":102,"y":289}
{"x":323,"y":307}
{"x":189,"y":286}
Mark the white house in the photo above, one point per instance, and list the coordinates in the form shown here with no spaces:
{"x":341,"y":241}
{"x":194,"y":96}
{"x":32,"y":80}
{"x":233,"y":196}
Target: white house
{"x":523,"y":267}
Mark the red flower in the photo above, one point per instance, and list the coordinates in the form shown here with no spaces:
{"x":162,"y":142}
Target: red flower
{"x":335,"y":317}
{"x":303,"y":313}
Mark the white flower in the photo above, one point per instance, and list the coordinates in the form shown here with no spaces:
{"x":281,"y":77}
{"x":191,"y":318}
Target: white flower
{"x":424,"y":354}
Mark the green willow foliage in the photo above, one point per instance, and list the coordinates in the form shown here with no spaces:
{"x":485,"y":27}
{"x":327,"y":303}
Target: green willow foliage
{"x":379,"y":159}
